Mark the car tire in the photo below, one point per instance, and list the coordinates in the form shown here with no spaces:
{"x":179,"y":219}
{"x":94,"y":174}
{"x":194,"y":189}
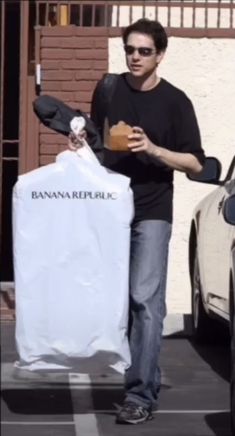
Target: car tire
{"x":202,"y":325}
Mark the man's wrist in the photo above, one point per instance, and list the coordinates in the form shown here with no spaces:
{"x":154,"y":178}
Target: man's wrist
{"x":155,"y":150}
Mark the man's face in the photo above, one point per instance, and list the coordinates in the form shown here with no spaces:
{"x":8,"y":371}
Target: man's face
{"x":141,"y":55}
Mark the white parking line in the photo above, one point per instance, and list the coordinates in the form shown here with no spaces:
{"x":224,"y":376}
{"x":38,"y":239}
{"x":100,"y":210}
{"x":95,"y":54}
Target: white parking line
{"x":37,"y":423}
{"x":85,"y":424}
{"x":192,"y":411}
{"x":90,"y":428}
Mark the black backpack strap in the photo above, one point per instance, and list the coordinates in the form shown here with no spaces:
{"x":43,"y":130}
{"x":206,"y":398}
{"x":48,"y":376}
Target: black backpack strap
{"x":102,"y":98}
{"x":109,"y":84}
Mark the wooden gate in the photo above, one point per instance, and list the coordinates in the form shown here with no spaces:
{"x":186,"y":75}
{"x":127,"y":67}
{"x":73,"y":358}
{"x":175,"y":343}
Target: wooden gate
{"x":17,"y":152}
{"x":9,"y":125}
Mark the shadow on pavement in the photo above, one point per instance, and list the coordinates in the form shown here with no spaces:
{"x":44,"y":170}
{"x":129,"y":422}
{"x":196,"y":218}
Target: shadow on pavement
{"x":217,"y":353}
{"x":62,"y":401}
{"x":217,"y":357}
{"x":219,"y":423}
{"x":38,"y":401}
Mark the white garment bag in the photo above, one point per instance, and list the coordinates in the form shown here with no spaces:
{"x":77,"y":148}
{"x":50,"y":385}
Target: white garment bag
{"x":71,"y":232}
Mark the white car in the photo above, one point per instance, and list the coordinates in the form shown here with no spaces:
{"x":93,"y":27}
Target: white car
{"x":229,"y":215}
{"x":212,"y":260}
{"x":210,"y":252}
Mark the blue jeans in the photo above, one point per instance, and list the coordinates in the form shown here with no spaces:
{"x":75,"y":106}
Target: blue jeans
{"x":148,"y":269}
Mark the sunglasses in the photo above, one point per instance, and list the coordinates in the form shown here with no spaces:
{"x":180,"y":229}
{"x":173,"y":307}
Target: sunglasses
{"x":143,"y":51}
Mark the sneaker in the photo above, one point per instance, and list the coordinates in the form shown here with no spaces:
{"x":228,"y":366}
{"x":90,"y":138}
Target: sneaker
{"x":131,"y":413}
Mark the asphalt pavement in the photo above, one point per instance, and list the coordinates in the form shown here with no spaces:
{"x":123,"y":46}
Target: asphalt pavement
{"x":194,"y":399}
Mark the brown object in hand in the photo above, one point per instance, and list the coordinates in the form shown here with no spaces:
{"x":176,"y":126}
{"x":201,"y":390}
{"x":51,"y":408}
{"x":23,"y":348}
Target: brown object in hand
{"x":117,"y":139}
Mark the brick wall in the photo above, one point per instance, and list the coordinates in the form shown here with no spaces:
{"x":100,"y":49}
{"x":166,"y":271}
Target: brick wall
{"x":7,"y":303}
{"x":72,"y":61}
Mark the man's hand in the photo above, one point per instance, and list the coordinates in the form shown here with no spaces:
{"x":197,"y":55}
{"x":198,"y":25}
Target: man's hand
{"x":76,"y":141}
{"x":140,"y":141}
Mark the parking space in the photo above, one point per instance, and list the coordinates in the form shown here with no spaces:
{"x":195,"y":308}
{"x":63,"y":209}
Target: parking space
{"x":194,"y":398}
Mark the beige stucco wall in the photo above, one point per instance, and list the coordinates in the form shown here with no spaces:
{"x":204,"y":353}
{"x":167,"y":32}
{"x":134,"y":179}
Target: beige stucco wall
{"x":205,"y":70}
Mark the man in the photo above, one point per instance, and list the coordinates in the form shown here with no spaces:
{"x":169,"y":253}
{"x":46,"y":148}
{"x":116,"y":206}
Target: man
{"x":165,"y":138}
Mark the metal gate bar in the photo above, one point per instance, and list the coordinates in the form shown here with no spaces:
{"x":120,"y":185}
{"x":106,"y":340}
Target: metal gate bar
{"x":87,"y":12}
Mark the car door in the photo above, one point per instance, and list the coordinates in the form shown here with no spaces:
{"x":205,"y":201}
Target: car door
{"x":215,"y":242}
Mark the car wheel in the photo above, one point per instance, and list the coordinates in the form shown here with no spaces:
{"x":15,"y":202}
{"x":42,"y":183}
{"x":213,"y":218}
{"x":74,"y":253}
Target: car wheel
{"x":202,"y":324}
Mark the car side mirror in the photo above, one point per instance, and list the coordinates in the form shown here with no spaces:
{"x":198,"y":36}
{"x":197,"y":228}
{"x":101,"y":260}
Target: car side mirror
{"x":229,"y":210}
{"x":210,"y":173}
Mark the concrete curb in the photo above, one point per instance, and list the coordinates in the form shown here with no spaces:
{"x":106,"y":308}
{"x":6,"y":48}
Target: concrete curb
{"x":177,"y":324}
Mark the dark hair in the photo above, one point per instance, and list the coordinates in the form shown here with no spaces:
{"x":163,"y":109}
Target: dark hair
{"x":150,"y":28}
